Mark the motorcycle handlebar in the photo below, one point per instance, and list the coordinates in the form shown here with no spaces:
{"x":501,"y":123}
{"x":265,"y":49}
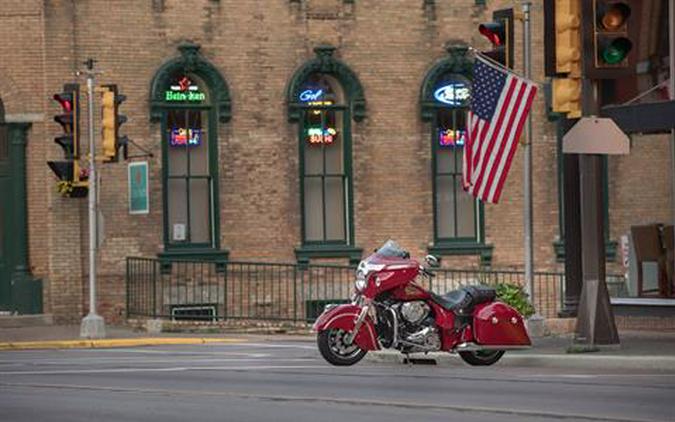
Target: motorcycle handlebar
{"x":427,"y":272}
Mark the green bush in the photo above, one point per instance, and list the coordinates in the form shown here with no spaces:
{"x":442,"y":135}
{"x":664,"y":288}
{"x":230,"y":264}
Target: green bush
{"x":514,"y":296}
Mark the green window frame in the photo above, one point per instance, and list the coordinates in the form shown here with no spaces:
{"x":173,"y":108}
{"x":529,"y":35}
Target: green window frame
{"x":454,"y":209}
{"x":452,"y":206}
{"x":190,"y":179}
{"x":326,"y":172}
{"x":189,"y":112}
{"x":345,"y":104}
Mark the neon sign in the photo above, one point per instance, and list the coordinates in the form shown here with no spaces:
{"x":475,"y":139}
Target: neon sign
{"x":310,"y":95}
{"x":317,"y":135}
{"x":181,"y":137}
{"x":451,"y":138}
{"x":454,"y":94}
{"x":184,"y":91}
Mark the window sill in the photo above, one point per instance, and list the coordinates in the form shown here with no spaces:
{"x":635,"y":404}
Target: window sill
{"x":610,"y":251}
{"x":464,"y":248}
{"x":219,"y":256}
{"x":305,"y":253}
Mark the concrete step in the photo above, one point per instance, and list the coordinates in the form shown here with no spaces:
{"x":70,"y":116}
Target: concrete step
{"x":20,"y":321}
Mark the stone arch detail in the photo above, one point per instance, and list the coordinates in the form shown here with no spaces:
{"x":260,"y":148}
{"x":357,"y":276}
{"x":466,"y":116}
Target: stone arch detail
{"x":324,"y":62}
{"x":14,"y":97}
{"x":457,"y":61}
{"x":190,"y":61}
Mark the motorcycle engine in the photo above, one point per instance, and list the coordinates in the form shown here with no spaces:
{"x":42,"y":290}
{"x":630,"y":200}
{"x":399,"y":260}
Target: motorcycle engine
{"x":411,"y":323}
{"x":414,"y":312}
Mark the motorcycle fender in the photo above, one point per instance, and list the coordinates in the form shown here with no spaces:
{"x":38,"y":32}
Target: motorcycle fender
{"x":498,"y":324}
{"x":344,"y":317}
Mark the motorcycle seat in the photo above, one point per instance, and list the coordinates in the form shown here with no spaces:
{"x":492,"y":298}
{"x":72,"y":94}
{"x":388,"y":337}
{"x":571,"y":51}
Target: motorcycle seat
{"x":465,"y":298}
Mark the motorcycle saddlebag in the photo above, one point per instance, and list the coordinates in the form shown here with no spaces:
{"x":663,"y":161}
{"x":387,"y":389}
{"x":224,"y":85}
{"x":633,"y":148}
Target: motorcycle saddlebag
{"x":497,"y":324}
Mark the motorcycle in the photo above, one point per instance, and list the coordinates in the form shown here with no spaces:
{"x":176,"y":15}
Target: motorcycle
{"x":390,"y":310}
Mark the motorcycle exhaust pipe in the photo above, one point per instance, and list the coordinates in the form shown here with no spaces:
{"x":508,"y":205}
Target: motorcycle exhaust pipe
{"x":473,"y":347}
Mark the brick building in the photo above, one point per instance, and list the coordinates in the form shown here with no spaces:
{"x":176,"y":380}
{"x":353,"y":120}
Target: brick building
{"x":242,"y":168}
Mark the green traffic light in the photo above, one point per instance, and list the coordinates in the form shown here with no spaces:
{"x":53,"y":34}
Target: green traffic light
{"x":616,"y":51}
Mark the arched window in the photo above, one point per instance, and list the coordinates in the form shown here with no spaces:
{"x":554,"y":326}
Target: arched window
{"x":326,"y":177}
{"x":324,"y":96}
{"x":188,"y":99}
{"x":189,"y":179}
{"x":455,"y":212}
{"x":458,"y":217}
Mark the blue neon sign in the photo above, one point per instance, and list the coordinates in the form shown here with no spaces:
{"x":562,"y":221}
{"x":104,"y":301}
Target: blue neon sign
{"x":454,"y":94}
{"x":309,"y":95}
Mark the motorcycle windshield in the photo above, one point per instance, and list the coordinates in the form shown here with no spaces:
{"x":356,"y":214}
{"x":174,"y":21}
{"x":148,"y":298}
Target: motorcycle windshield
{"x":391,"y":249}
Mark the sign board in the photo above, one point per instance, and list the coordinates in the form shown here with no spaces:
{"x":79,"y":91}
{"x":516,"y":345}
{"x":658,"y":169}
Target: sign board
{"x":595,"y":135}
{"x":139,"y":201}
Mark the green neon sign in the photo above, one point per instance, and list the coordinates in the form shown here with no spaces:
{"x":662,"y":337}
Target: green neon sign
{"x":184,"y":91}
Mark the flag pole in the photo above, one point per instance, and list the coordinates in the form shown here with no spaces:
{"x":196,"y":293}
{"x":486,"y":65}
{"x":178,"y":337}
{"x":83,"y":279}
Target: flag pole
{"x":536,"y":328}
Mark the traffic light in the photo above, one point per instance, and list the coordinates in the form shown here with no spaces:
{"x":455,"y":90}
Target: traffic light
{"x":500,"y":34}
{"x":68,"y":140}
{"x":562,"y":35}
{"x":566,"y":97}
{"x":610,"y":38}
{"x":111,"y":121}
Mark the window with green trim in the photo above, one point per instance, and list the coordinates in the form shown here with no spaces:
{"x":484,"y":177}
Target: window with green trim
{"x":189,"y":148}
{"x":457,"y":215}
{"x":325,"y":157}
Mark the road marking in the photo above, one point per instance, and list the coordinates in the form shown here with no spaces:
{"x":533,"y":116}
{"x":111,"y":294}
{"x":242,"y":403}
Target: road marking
{"x":348,"y":401}
{"x":171,"y":369}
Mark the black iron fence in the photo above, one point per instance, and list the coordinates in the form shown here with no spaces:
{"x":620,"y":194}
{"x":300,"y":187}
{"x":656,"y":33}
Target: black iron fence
{"x":198,"y":290}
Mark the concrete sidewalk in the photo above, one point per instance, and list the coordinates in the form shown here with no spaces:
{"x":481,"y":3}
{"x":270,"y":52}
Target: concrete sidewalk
{"x":68,"y":337}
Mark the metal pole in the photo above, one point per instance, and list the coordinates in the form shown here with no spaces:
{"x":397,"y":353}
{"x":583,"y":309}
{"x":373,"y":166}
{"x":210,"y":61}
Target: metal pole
{"x":536,"y":322}
{"x":527,"y":183}
{"x":93,"y":325}
{"x":671,"y":61}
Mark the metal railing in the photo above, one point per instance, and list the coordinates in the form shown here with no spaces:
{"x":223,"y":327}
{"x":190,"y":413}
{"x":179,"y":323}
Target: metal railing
{"x":280,"y":292}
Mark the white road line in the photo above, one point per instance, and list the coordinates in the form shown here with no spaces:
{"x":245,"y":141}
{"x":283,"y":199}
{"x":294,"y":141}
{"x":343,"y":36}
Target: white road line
{"x":174,"y":369}
{"x":127,"y":361}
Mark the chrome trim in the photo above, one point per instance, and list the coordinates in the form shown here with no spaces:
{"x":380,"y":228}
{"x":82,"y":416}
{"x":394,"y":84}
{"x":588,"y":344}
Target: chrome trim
{"x":473,"y":347}
{"x":394,"y":342}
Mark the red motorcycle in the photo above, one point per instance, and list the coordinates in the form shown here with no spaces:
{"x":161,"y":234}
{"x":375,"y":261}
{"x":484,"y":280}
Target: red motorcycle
{"x":390,"y":310}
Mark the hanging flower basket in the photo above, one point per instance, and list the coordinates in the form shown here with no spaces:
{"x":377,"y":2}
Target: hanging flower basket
{"x":68,"y":189}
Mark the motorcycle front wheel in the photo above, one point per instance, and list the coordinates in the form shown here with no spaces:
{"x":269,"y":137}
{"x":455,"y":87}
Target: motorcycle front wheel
{"x":336,"y":351}
{"x":481,"y":357}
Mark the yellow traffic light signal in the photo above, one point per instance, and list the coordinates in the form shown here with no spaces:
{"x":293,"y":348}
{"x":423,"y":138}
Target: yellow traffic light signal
{"x":108,"y":124}
{"x":111,"y":121}
{"x":568,"y":37}
{"x":566,"y":97}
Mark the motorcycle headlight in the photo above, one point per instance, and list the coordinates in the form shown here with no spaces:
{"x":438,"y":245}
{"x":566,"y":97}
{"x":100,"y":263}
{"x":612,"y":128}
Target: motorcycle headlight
{"x":361,"y":281}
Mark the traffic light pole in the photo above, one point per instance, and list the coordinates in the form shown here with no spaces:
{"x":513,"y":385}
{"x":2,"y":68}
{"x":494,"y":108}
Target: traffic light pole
{"x":93,"y":325}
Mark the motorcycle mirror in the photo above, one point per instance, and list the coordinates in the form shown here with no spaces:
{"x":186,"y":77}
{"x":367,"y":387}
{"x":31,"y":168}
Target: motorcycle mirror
{"x":431,"y":260}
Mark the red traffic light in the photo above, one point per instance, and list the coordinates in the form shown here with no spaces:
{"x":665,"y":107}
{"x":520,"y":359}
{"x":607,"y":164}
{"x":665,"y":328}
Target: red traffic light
{"x":493,"y":31}
{"x":66,"y":101}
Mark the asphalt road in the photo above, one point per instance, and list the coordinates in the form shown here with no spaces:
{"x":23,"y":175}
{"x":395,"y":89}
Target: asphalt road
{"x":284,"y":380}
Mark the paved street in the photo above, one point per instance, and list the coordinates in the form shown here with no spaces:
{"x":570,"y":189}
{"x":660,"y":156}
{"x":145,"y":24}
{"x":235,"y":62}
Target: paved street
{"x":286,"y":380}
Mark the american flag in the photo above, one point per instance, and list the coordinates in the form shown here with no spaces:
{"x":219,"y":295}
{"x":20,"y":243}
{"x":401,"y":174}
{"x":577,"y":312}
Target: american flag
{"x":499,"y":106}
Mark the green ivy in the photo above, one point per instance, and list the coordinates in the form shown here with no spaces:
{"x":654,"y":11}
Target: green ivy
{"x":514,"y":296}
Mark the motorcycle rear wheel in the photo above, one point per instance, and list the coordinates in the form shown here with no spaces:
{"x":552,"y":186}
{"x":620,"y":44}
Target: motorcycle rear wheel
{"x":334,"y":349}
{"x":481,"y":357}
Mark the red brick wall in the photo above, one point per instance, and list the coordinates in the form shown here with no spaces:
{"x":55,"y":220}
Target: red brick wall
{"x":257,"y":45}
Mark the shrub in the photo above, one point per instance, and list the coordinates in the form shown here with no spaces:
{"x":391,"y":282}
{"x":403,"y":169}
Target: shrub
{"x":514,"y":296}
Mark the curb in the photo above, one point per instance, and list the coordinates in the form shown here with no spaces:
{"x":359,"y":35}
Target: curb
{"x":110,"y":343}
{"x":587,"y":361}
